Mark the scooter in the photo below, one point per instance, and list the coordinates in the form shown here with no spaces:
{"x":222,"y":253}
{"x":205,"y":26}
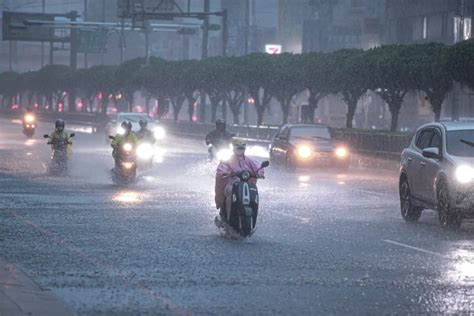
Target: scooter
{"x":59,"y":156}
{"x":125,"y":170}
{"x":244,"y":209}
{"x":29,"y":125}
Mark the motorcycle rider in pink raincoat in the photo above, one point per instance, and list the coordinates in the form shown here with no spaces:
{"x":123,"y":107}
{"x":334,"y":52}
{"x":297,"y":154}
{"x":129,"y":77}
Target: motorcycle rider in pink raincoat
{"x":238,"y":162}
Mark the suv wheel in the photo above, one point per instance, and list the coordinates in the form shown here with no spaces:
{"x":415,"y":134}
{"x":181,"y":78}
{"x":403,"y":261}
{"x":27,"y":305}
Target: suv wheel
{"x":409,"y":212}
{"x":447,"y":218}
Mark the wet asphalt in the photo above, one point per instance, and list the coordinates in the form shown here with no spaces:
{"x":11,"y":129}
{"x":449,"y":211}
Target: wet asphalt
{"x":328,"y":242}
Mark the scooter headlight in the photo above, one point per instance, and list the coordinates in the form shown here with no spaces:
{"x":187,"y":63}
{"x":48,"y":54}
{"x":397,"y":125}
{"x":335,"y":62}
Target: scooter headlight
{"x":127,"y":147}
{"x":245,"y":175}
{"x":304,"y":151}
{"x":145,"y":151}
{"x":29,"y":118}
{"x":121,"y":130}
{"x":224,"y":154}
{"x":159,"y":133}
{"x":342,"y":152}
{"x":127,"y":165}
{"x":464,"y":174}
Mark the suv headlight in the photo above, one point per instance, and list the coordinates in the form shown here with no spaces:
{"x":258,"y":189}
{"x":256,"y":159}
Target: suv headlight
{"x":304,"y":151}
{"x":341,"y":152}
{"x":464,"y":174}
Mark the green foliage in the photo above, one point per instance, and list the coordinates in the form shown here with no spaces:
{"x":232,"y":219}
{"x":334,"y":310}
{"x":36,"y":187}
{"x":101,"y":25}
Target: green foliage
{"x":461,"y":62}
{"x":391,"y":71}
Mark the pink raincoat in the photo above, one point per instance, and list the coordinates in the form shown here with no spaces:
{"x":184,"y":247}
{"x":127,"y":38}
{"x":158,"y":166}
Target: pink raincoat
{"x":235,"y":164}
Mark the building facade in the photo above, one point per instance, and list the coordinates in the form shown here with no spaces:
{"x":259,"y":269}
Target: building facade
{"x":421,"y":21}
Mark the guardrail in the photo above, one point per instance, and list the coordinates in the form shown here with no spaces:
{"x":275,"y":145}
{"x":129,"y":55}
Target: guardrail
{"x":95,"y":120}
{"x":263,"y":133}
{"x":377,"y":143}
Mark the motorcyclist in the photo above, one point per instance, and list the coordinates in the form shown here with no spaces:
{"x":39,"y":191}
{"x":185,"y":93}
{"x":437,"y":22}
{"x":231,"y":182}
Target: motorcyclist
{"x":144,"y":134}
{"x":28,"y":114}
{"x":127,"y":137}
{"x":219,"y":136}
{"x":237,"y":163}
{"x":59,"y":135}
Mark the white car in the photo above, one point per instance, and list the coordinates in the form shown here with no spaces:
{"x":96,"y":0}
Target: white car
{"x":437,"y":172}
{"x":116,"y":120}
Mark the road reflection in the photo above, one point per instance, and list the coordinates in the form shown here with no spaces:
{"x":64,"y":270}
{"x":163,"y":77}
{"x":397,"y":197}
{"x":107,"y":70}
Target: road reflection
{"x":461,"y":271}
{"x":128,"y":197}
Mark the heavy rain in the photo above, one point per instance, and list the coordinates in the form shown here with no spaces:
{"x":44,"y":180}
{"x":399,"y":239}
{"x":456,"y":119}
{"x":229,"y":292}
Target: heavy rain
{"x":236,"y":157}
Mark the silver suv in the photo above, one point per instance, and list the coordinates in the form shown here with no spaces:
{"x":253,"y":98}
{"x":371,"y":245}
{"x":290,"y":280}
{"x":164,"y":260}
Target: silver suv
{"x":437,"y":172}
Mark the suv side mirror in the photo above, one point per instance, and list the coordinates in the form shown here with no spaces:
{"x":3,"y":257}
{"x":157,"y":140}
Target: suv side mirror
{"x":431,"y":152}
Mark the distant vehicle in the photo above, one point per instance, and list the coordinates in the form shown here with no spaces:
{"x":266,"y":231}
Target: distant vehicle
{"x":29,"y":124}
{"x":437,"y":172}
{"x":113,"y":126}
{"x":295,"y":145}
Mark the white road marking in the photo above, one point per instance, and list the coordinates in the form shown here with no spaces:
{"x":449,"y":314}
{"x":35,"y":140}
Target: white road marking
{"x":416,"y":248}
{"x":372,"y":192}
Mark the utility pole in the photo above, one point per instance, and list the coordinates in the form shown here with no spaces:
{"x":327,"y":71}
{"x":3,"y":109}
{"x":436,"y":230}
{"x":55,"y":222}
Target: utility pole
{"x":205,"y":30}
{"x":224,"y":33}
{"x":86,"y":56}
{"x":73,"y":47}
{"x":205,"y":44}
{"x":457,"y":90}
{"x":147,"y":42}
{"x":122,"y":38}
{"x":43,"y":10}
{"x":247,"y":27}
{"x":103,"y":20}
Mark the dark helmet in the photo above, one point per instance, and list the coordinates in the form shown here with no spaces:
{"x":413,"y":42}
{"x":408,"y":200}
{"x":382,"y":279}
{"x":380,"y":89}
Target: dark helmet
{"x":220,"y":124}
{"x":59,"y":124}
{"x":127,"y":126}
{"x":143,"y":123}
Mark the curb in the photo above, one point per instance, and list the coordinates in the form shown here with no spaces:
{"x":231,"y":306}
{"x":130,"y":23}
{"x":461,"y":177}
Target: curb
{"x":21,"y":295}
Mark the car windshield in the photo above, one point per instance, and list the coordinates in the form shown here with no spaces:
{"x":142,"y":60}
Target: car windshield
{"x":460,"y":143}
{"x":310,"y":132}
{"x":135,"y":118}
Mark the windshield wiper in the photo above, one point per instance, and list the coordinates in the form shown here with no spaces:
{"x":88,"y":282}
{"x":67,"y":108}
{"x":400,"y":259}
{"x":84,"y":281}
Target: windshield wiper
{"x":467,"y":142}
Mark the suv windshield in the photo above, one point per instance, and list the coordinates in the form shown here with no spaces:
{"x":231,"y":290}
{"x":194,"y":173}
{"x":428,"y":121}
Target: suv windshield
{"x":460,"y":143}
{"x":310,"y":133}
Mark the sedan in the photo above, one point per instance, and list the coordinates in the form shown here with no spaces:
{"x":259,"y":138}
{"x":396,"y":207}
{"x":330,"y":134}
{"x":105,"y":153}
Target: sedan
{"x":307,"y":145}
{"x":114,"y":125}
{"x":437,"y":172}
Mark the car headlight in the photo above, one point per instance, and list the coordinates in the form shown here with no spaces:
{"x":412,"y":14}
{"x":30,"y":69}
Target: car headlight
{"x":224,"y":154}
{"x":464,"y":174}
{"x":121,"y":130}
{"x":145,"y":151}
{"x":342,"y":152}
{"x":304,"y":151}
{"x":127,"y":147}
{"x":29,"y":118}
{"x":159,"y":132}
{"x":127,"y":165}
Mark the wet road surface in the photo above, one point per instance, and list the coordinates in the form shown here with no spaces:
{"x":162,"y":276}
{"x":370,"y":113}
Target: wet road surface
{"x":327,"y":242}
